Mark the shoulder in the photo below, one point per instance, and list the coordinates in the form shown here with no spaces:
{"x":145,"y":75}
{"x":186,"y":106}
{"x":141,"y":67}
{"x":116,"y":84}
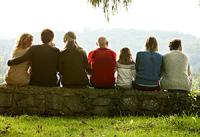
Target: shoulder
{"x":176,"y":54}
{"x":130,"y":66}
{"x":91,"y":52}
{"x":56,"y":49}
{"x":141,"y":53}
{"x":158,"y":55}
{"x":111,"y":51}
{"x":80,"y":49}
{"x":35,"y":46}
{"x":63,"y":51}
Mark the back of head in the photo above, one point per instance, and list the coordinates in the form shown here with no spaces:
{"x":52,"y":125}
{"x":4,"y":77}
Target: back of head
{"x":175,"y":44}
{"x":102,"y":42}
{"x":69,"y":36}
{"x":25,"y":41}
{"x":47,"y":36}
{"x":125,"y":56}
{"x":70,"y":40}
{"x":151,"y":44}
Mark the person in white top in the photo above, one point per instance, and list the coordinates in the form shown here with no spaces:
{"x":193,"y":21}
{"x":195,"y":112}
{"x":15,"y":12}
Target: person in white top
{"x":125,"y":68}
{"x":19,"y":75}
{"x":176,"y":74}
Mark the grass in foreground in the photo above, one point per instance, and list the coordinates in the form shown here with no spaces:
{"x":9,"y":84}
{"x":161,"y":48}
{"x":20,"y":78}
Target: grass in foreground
{"x":34,"y":126}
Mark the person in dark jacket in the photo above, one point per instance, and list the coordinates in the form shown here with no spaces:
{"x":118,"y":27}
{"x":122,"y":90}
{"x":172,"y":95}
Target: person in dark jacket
{"x":44,"y":61}
{"x":148,"y":67}
{"x":73,"y":63}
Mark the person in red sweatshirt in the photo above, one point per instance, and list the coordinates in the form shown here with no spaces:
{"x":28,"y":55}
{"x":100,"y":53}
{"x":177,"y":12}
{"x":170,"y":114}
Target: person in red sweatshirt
{"x":102,"y":62}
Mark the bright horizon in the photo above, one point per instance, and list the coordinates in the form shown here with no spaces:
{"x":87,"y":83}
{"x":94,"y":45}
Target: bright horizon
{"x":33,"y":16}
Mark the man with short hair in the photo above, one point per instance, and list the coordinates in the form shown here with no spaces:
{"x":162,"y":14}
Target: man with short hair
{"x":102,"y":62}
{"x":43,"y":59}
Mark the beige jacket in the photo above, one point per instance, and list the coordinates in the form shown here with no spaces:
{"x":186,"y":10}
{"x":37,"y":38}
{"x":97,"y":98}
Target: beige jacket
{"x":18,"y":75}
{"x":125,"y":75}
{"x":176,"y":71}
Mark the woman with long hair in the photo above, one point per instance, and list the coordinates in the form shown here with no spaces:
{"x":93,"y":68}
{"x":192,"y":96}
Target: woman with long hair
{"x":19,"y":75}
{"x":73,"y":63}
{"x":148,"y":67}
{"x":125,"y":69}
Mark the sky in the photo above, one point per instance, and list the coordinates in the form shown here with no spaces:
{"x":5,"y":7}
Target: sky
{"x":20,"y":16}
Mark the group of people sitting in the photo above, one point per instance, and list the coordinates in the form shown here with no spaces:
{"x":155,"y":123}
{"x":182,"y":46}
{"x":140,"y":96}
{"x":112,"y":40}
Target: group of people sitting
{"x":46,"y":65}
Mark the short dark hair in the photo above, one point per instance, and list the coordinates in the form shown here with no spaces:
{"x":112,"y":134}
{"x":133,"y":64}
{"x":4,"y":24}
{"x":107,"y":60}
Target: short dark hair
{"x":175,"y":44}
{"x":47,"y":35}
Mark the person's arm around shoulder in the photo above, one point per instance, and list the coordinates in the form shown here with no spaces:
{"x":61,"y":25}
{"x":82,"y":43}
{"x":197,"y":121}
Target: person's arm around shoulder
{"x":26,"y":56}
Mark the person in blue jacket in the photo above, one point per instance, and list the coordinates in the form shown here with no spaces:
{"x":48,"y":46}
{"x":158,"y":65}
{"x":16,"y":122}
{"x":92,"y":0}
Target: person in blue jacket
{"x":148,"y":67}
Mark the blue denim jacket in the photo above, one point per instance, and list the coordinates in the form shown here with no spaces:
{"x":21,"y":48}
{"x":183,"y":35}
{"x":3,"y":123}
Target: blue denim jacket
{"x":148,"y":68}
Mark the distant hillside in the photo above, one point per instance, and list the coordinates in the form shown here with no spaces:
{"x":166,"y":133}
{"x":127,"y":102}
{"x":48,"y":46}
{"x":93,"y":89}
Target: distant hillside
{"x":118,"y":38}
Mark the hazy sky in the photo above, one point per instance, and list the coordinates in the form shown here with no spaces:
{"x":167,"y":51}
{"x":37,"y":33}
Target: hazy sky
{"x":19,"y":16}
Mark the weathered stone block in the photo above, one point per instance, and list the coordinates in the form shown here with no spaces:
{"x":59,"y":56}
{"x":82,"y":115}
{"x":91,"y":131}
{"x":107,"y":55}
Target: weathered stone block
{"x":130,"y":103}
{"x":101,"y":101}
{"x":150,"y":104}
{"x":5,"y":100}
{"x":74,"y":104}
{"x":25,"y":100}
{"x":54,"y":101}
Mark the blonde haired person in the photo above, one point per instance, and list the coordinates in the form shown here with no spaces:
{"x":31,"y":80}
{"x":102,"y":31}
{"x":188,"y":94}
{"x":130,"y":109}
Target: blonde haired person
{"x":125,"y":69}
{"x":18,"y":75}
{"x":148,"y":67}
{"x":73,"y":63}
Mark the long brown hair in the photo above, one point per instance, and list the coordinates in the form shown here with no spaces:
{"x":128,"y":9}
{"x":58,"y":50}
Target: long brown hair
{"x":125,"y":56}
{"x":151,"y":44}
{"x":25,"y":41}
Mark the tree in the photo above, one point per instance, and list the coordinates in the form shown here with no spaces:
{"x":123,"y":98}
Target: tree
{"x":110,"y":6}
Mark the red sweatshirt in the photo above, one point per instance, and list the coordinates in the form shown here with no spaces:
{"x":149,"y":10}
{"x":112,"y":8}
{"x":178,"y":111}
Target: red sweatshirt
{"x":102,"y":62}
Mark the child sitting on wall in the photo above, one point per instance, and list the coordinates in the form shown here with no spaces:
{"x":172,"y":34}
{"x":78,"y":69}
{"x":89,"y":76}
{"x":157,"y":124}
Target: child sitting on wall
{"x":125,"y":69}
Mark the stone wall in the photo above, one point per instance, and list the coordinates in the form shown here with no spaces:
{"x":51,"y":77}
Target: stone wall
{"x":64,"y":101}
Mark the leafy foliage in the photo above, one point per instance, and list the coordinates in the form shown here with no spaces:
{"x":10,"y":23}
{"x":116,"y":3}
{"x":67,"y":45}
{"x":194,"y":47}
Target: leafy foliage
{"x":110,"y":6}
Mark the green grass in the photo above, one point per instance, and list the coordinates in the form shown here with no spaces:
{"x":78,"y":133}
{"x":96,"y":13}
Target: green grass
{"x":34,"y":126}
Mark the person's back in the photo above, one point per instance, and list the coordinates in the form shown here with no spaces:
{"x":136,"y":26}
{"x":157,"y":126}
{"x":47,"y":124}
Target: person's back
{"x":125,"y":68}
{"x":148,"y":67}
{"x":102,"y":62}
{"x":44,"y":65}
{"x":73,"y":64}
{"x":18,"y":75}
{"x":44,"y":61}
{"x":176,"y":71}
